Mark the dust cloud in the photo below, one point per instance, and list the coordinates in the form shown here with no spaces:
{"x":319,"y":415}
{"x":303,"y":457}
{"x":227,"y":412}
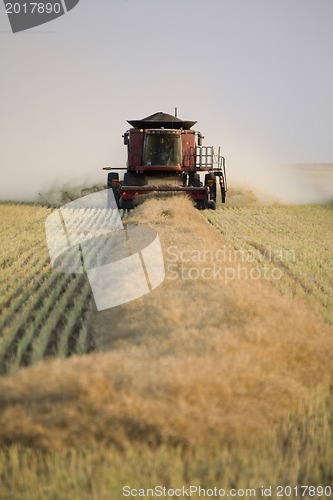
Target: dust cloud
{"x":66,"y":193}
{"x":252,"y":167}
{"x":251,"y":178}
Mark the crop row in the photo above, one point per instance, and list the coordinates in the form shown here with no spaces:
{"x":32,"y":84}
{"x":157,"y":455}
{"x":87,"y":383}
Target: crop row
{"x":43,"y":312}
{"x":296,"y":240}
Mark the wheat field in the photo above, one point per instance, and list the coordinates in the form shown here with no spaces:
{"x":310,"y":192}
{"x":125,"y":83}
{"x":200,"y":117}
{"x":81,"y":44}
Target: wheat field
{"x":42,"y":311}
{"x":297,"y":239}
{"x":219,"y":377}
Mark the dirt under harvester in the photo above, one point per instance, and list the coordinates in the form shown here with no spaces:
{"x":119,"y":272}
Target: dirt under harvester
{"x":166,"y":156}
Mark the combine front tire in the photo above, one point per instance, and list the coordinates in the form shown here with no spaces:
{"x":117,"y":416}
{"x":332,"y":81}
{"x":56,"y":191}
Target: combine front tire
{"x":217,"y":192}
{"x":223,"y":195}
{"x":113,"y":184}
{"x":213,"y":184}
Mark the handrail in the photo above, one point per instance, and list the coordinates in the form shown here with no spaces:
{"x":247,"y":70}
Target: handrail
{"x":206,"y":158}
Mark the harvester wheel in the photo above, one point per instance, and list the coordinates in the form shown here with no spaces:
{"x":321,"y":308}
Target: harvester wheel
{"x":210,"y":181}
{"x":219,"y":193}
{"x":209,"y":178}
{"x":113,"y":183}
{"x":223,"y":195}
{"x":131,"y":179}
{"x":112,"y":176}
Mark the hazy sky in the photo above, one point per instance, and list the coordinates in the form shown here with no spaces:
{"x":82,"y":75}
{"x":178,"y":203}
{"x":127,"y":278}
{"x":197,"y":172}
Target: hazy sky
{"x":256,"y":74}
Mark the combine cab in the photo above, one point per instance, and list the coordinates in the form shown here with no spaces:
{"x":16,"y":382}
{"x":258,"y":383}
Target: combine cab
{"x":166,"y":156}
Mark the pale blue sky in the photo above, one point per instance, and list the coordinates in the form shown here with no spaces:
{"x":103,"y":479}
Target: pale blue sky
{"x":256,"y":74}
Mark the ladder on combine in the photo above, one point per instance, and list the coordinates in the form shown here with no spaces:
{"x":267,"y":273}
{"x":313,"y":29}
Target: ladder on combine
{"x":207,"y":159}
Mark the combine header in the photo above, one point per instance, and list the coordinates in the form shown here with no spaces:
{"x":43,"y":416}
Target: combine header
{"x":166,"y":156}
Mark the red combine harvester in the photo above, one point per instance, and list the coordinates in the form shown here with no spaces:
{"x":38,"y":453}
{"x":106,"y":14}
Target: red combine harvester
{"x":166,"y":156}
